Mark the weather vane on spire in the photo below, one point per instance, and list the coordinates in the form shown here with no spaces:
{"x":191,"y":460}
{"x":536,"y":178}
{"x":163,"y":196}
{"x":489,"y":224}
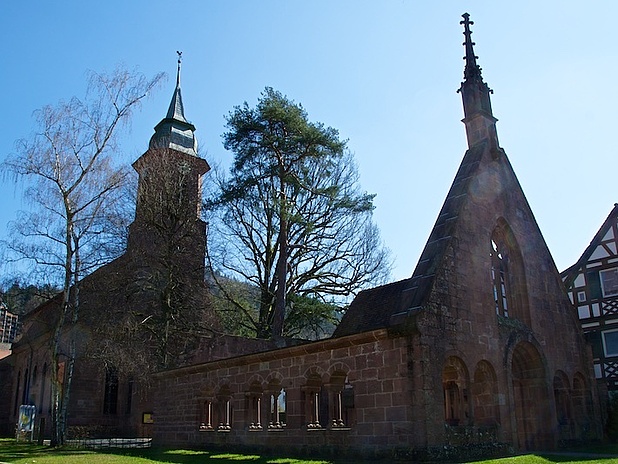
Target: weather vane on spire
{"x":178,"y":73}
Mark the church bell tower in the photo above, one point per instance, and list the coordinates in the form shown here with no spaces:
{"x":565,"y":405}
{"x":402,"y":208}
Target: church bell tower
{"x":167,"y":225}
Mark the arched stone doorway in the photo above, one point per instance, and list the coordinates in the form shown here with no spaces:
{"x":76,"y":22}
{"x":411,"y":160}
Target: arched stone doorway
{"x":533,"y":425}
{"x":562,"y":399}
{"x":582,"y":406}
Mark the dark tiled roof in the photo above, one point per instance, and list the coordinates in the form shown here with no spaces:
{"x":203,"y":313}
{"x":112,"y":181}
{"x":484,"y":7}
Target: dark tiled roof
{"x":174,"y":131}
{"x":371,"y":309}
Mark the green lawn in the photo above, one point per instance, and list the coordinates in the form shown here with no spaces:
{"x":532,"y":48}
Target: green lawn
{"x":22,"y":453}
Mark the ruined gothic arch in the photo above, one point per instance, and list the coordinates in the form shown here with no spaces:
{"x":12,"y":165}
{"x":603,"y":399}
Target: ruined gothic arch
{"x":485,"y":397}
{"x":455,"y":382}
{"x":562,"y":398}
{"x":530,"y":397}
{"x":508,"y":276}
{"x":582,"y":405}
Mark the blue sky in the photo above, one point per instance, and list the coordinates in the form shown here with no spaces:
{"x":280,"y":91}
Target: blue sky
{"x":385,"y":73}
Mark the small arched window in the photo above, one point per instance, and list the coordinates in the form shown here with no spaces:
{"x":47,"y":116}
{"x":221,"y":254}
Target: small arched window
{"x":315,"y":401}
{"x":224,"y":403}
{"x":207,"y":415}
{"x":277,"y":399}
{"x":455,"y":388}
{"x":254,"y":398}
{"x":342,"y":400}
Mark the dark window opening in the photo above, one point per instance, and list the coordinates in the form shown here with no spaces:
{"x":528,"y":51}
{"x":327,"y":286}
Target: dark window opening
{"x":499,"y":277}
{"x":129,"y":396}
{"x":110,"y":398}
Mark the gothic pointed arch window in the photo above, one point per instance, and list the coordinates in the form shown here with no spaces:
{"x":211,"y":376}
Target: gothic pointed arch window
{"x":508,"y":277}
{"x":499,"y":275}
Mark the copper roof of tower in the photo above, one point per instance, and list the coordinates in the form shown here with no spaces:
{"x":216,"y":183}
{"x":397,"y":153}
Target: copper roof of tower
{"x":174,"y":131}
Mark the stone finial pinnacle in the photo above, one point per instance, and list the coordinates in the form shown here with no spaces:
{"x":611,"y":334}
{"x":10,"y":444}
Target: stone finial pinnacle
{"x":479,"y":120}
{"x":472,"y":70}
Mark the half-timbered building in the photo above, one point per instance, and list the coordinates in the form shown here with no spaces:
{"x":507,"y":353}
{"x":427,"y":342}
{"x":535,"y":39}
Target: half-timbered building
{"x":592,"y":284}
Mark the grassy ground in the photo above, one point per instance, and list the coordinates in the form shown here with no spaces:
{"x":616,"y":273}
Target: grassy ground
{"x":22,"y":453}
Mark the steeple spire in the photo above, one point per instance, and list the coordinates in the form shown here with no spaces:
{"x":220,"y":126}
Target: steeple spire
{"x":178,"y":72}
{"x":174,"y":131}
{"x":479,"y":120}
{"x":176,"y":109}
{"x":471,"y":70}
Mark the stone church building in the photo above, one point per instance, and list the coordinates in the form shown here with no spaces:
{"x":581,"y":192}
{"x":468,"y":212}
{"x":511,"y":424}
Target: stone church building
{"x":480,"y":350}
{"x":166,"y":237}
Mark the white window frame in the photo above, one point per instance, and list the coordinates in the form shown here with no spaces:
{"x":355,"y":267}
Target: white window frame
{"x":607,"y":271}
{"x":604,"y":333}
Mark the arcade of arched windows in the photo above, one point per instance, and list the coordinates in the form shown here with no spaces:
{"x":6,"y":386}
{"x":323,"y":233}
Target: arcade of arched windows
{"x":326,"y":403}
{"x":573,"y":405}
{"x":33,"y":387}
{"x":474,"y":400}
{"x":216,"y":409}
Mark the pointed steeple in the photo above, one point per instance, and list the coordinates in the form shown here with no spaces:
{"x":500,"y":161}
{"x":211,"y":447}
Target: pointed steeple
{"x":479,"y":119}
{"x":169,"y":192}
{"x":176,"y":109}
{"x":174,"y":131}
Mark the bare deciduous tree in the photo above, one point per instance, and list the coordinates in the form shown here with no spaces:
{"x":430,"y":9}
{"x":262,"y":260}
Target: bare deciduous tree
{"x":72,"y":182}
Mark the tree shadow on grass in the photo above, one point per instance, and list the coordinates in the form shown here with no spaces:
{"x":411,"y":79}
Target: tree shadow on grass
{"x":11,"y":450}
{"x":213,"y":457}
